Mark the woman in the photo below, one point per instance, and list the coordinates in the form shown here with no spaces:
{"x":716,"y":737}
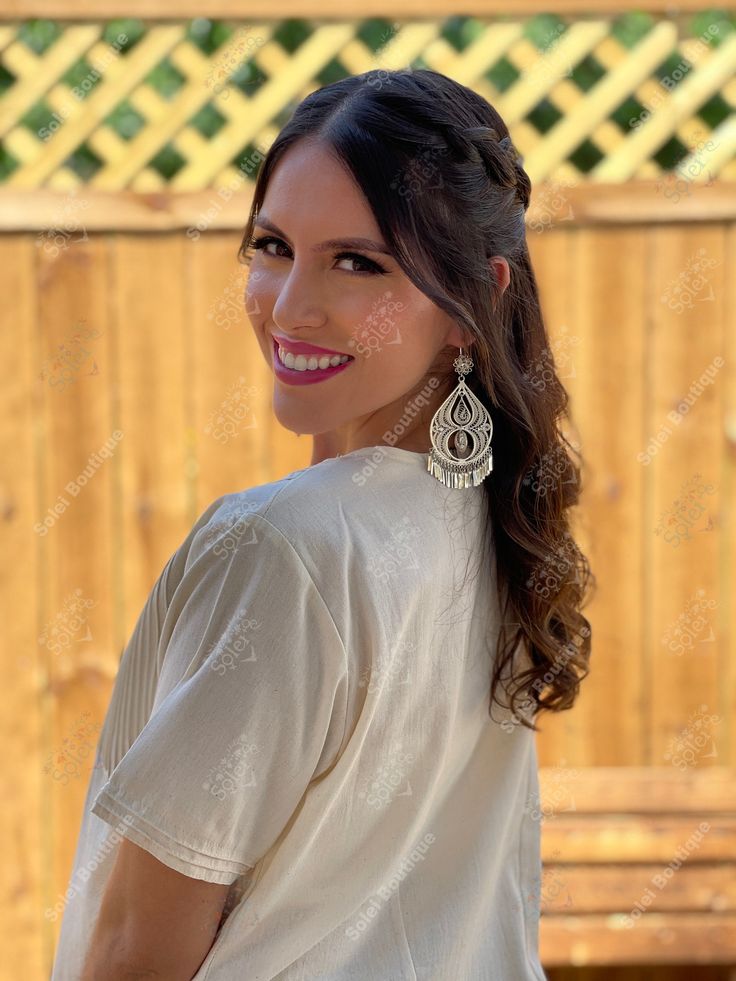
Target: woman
{"x":319,"y":757}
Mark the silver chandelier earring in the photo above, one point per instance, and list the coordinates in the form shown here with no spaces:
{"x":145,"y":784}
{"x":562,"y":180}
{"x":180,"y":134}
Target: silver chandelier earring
{"x":461,"y":431}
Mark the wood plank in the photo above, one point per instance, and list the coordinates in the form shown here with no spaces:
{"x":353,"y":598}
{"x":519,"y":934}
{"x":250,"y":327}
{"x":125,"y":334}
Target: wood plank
{"x":152,"y":392}
{"x":685,"y":705}
{"x":608,"y":396}
{"x":726,"y":623}
{"x":231,"y":9}
{"x":572,"y":889}
{"x":25,"y":880}
{"x":77,"y":444}
{"x":684,"y":938}
{"x":552,"y":248}
{"x":625,"y":838}
{"x":634,"y":203}
{"x":642,"y":790}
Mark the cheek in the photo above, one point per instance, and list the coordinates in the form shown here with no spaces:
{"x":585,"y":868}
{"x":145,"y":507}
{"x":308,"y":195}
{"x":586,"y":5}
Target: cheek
{"x":402,"y":347}
{"x":256,"y":297}
{"x":387,"y":331}
{"x":389,"y":371}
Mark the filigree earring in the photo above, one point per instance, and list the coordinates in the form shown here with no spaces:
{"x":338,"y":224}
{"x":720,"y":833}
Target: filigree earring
{"x":461,"y":431}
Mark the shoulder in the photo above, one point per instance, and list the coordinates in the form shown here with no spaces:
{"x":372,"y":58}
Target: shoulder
{"x":308,"y":508}
{"x":336,"y":517}
{"x":243,"y":571}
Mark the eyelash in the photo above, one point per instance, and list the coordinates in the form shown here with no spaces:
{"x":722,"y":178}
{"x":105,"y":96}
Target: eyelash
{"x":374,"y":268}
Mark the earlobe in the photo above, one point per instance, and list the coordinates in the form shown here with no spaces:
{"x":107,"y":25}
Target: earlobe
{"x":459,"y":338}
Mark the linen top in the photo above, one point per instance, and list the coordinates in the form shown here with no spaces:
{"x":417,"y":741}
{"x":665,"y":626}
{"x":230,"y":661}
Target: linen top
{"x":302,"y":713}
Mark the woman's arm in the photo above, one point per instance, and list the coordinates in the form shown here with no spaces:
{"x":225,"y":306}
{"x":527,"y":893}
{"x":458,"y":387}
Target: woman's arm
{"x":153,"y":923}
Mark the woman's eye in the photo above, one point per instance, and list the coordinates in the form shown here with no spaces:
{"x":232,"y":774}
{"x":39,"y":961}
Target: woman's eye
{"x":369,"y":266}
{"x":263,"y":241}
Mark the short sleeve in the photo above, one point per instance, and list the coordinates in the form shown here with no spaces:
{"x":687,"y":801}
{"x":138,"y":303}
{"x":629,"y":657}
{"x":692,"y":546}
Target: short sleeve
{"x":137,"y":680}
{"x":251,"y":707}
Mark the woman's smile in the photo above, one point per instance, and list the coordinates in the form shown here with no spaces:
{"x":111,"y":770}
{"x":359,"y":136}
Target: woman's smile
{"x":306,"y":368}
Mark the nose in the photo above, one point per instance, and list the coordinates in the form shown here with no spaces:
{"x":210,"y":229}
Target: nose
{"x":298,"y":305}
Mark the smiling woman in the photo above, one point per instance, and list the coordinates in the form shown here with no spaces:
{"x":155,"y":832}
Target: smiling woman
{"x":318,"y":694}
{"x":413,"y":179}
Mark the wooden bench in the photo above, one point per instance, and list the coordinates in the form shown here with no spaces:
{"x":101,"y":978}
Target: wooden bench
{"x":639,"y":866}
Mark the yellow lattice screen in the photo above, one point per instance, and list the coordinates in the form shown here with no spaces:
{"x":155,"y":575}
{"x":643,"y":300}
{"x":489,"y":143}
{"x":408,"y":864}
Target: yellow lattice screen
{"x":594,"y":98}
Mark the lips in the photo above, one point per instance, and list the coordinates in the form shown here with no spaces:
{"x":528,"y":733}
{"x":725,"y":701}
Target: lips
{"x":301,"y":347}
{"x":304,"y":375}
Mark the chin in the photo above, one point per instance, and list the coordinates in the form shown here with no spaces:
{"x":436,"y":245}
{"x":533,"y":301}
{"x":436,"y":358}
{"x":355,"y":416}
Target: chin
{"x":293,"y":418}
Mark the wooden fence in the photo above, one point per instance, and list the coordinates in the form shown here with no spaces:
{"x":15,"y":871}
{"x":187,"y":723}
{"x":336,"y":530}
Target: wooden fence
{"x":134,"y":393}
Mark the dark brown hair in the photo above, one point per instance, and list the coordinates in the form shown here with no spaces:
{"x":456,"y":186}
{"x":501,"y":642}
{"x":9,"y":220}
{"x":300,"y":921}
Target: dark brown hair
{"x":439,"y":171}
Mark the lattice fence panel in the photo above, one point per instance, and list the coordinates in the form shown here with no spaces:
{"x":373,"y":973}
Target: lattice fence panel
{"x":184,"y":105}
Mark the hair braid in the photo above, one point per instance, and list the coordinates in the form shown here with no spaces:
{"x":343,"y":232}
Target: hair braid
{"x":503,"y":164}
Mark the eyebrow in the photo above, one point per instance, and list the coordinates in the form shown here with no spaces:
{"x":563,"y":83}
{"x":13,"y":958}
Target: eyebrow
{"x":332,"y":243}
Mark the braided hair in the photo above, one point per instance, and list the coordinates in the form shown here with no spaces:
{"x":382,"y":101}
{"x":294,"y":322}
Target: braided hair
{"x":503,"y":164}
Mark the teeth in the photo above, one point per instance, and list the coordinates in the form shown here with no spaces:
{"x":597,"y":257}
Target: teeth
{"x":301,"y":363}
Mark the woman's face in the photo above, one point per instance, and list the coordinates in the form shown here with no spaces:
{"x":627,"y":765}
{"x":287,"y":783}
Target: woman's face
{"x":305,"y":293}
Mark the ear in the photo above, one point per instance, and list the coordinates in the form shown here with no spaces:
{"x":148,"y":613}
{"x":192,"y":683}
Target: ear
{"x":500,"y":269}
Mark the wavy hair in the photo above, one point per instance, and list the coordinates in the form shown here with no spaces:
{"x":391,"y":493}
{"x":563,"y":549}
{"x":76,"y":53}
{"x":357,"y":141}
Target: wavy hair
{"x":438,"y":169}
